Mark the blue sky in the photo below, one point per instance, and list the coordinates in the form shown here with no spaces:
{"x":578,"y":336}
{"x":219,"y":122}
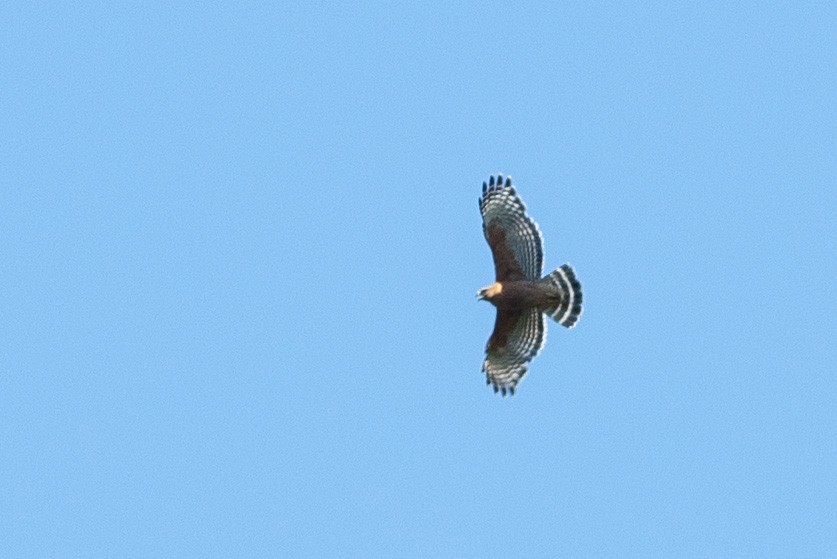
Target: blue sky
{"x":241,"y":246}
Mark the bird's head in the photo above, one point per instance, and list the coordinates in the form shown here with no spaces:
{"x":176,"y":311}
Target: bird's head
{"x":488,"y":293}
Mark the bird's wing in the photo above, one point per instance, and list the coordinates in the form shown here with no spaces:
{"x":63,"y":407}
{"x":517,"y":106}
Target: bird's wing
{"x":515,"y":240}
{"x":518,"y":336}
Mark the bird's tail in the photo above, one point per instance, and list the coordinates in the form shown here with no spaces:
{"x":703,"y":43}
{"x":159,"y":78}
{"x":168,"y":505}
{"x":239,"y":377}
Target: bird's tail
{"x":568,"y":309}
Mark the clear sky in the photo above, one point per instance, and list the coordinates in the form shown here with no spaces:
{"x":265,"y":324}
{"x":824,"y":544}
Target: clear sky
{"x":240,"y":247}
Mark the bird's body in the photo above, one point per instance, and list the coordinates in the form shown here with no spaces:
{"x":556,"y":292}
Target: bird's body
{"x":523,"y":294}
{"x":523,"y":298}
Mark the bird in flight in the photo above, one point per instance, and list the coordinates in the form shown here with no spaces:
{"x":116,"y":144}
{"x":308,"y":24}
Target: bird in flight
{"x":523,"y":298}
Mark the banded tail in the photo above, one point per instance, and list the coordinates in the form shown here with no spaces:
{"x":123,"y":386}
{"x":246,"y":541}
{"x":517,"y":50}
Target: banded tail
{"x":566,"y":312}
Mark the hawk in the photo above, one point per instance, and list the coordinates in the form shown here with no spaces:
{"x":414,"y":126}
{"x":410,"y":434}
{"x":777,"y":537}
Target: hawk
{"x":523,"y":298}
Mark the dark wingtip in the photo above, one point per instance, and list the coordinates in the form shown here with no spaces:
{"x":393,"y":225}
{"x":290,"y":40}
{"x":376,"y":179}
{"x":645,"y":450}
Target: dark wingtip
{"x":484,"y":187}
{"x":508,"y":181}
{"x":491,"y":180}
{"x":499,"y":179}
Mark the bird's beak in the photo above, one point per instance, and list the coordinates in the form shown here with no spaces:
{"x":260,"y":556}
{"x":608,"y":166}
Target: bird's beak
{"x":481,"y":294}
